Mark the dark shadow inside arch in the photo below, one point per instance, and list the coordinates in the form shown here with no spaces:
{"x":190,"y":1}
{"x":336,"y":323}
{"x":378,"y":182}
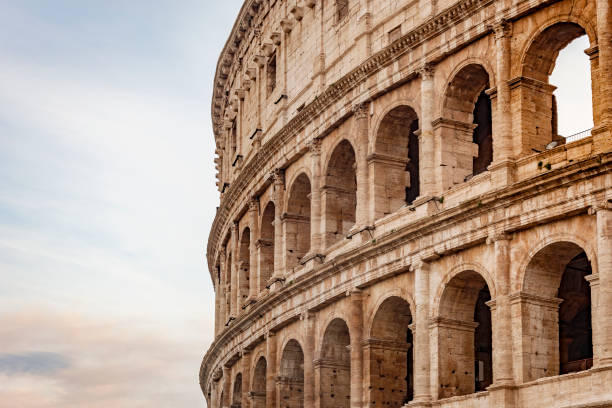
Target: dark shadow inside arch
{"x":396,"y":161}
{"x":556,"y":278}
{"x":297,"y":221}
{"x":291,"y":377}
{"x":237,"y":394}
{"x":388,"y":353}
{"x":340,"y":193}
{"x":244,"y":268}
{"x":334,"y":367}
{"x":464,"y":333}
{"x":258,"y":391}
{"x":266,"y":246}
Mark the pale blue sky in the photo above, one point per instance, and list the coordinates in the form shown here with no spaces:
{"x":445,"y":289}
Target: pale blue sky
{"x":107,"y":193}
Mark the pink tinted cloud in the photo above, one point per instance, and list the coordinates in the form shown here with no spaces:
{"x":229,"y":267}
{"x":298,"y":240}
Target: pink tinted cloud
{"x":107,"y":364}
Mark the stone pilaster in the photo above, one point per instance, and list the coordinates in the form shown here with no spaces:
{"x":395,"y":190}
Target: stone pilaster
{"x":503,"y":153}
{"x":235,"y":293}
{"x":501,"y":314}
{"x":316,"y":211}
{"x":253,"y":261}
{"x":602,"y":134}
{"x":422,"y":361}
{"x":308,"y":329}
{"x":603,"y":211}
{"x":223,"y":312}
{"x":426,"y":138}
{"x":246,"y":378}
{"x":356,"y":334}
{"x":362,"y":115}
{"x":271,"y":370}
{"x":596,"y":318}
{"x":227,"y":383}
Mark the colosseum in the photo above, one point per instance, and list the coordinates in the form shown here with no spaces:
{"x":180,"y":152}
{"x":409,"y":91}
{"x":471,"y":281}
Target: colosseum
{"x":401,"y":223}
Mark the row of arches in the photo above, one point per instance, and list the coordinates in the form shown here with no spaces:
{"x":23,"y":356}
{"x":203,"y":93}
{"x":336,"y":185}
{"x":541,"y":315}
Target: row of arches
{"x":555,"y":340}
{"x":466,"y":149}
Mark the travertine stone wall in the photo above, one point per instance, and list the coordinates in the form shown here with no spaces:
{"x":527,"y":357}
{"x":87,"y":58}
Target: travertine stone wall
{"x":370,"y":250}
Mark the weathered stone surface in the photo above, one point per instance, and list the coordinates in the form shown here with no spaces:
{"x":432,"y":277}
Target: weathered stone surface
{"x":393,"y":228}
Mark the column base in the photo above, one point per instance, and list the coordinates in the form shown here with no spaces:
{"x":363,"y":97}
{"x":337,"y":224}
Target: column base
{"x":310,"y":256}
{"x":420,"y":402}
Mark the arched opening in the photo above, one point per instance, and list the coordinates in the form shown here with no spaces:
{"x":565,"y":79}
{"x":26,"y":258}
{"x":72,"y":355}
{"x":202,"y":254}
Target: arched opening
{"x":539,"y":127}
{"x":557,"y":293}
{"x":463,"y":330}
{"x":395,"y":161}
{"x":244,"y":266}
{"x":220,"y":402}
{"x":334,"y":366}
{"x":237,"y":393}
{"x":389,"y":356}
{"x":339,"y":194}
{"x":291,"y":378}
{"x":266,"y":246}
{"x":258,"y":392}
{"x":296,"y":221}
{"x":466,"y":126}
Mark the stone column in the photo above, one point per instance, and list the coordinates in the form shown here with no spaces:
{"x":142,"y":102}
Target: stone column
{"x":602,"y":137}
{"x":223,"y":312}
{"x":596,"y":319}
{"x":604,"y":267}
{"x":500,"y":312}
{"x":271,"y":370}
{"x":227,"y":383}
{"x":422,"y":363}
{"x":278,"y":180}
{"x":246,"y":378}
{"x":253,"y":261}
{"x":356,"y":333}
{"x":308,"y":328}
{"x":233,"y":267}
{"x":426,"y":138}
{"x":316,"y":216}
{"x":362,"y":115}
{"x":503,"y":150}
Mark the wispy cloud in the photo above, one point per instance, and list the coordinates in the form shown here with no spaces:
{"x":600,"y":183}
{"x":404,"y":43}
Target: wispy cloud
{"x":34,"y":362}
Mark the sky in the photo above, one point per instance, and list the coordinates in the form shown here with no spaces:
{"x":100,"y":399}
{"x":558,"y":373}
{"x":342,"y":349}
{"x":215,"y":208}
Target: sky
{"x":107,"y":194}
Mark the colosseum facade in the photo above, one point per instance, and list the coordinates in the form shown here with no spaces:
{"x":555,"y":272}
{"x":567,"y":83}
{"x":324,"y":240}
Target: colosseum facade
{"x":400,"y":221}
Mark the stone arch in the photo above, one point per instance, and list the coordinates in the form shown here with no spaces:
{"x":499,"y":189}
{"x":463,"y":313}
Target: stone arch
{"x":395,"y":160}
{"x":258,"y":383}
{"x":266,"y":245}
{"x":237,"y":392}
{"x":291,"y":376}
{"x":539,"y":126}
{"x":244,"y":267}
{"x":333,"y":368}
{"x":339,"y":195}
{"x":463,"y":328}
{"x":465,"y":127}
{"x":296,"y":220}
{"x":556,"y":291}
{"x":388,"y":355}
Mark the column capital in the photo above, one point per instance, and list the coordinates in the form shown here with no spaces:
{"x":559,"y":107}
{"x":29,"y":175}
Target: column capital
{"x":361,"y":110}
{"x":603,"y":205}
{"x":235,"y":226}
{"x":498,"y":236}
{"x":278,"y":177}
{"x":502,"y":29}
{"x":354,"y":294}
{"x":314,"y":147}
{"x":426,"y":72}
{"x":254,"y":204}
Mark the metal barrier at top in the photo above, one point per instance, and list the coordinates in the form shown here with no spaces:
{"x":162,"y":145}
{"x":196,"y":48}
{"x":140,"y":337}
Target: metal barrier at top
{"x":578,"y":136}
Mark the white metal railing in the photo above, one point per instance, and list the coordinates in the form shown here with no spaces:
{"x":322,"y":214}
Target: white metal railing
{"x":578,"y":136}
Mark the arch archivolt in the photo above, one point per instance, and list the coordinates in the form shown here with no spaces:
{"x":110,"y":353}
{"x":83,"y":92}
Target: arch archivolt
{"x":448,"y":80}
{"x":550,"y":240}
{"x":396,"y":292}
{"x":456,"y":270}
{"x":289,"y":335}
{"x":324,"y":324}
{"x":289,"y":184}
{"x":329,"y":153}
{"x":396,"y":100}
